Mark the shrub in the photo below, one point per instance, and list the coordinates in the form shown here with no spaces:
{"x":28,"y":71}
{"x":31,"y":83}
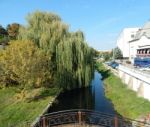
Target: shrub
{"x":128,"y":62}
{"x":22,"y":62}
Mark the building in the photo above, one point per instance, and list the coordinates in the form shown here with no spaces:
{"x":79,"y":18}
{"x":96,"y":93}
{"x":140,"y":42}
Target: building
{"x":139,"y":46}
{"x":126,"y":35}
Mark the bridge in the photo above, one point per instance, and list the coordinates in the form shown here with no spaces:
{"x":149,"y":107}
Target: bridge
{"x":86,"y":118}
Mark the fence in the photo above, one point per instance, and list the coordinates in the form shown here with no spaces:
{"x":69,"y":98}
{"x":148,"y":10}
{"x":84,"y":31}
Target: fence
{"x":87,"y":117}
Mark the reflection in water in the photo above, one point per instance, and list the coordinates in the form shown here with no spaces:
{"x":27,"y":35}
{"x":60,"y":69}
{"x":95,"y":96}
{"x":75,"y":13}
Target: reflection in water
{"x":92,"y":97}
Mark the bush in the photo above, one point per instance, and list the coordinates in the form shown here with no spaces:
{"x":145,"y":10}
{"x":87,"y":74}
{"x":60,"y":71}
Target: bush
{"x":128,"y":62}
{"x":22,"y":62}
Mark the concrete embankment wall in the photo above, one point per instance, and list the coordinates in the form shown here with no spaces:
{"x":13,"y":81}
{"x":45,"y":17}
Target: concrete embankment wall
{"x":135,"y":80}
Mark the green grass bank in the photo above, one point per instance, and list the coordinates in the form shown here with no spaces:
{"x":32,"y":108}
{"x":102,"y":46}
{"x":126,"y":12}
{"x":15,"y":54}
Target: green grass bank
{"x":17,"y":109}
{"x":125,"y":101}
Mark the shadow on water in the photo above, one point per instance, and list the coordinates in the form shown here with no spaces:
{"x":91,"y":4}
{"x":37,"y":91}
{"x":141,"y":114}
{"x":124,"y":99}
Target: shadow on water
{"x":92,"y":98}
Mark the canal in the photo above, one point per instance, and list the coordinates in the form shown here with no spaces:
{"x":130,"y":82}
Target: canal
{"x":92,"y":98}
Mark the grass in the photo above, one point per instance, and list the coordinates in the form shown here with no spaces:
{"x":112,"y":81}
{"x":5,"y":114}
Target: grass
{"x":125,"y":100}
{"x":17,"y":111}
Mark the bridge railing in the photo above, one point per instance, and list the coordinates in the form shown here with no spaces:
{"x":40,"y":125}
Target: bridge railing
{"x":83,"y":117}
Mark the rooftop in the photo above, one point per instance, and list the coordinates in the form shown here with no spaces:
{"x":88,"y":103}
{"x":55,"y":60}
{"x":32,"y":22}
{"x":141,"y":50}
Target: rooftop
{"x":144,"y":31}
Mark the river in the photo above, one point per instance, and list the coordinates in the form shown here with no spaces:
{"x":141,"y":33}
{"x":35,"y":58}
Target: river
{"x":92,"y":97}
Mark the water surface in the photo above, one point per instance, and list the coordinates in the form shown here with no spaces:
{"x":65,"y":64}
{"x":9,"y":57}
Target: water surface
{"x":92,"y":97}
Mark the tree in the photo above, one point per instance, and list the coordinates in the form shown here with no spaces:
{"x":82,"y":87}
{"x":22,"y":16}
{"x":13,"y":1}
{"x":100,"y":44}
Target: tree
{"x":117,"y":53}
{"x":3,"y":36}
{"x":106,"y":56}
{"x":13,"y":30}
{"x":23,"y":63}
{"x":3,"y":31}
{"x":96,"y":53}
{"x":71,"y":57}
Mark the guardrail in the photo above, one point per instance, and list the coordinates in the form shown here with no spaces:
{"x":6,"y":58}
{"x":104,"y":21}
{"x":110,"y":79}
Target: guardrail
{"x":86,"y":117}
{"x":134,"y":70}
{"x":135,"y":73}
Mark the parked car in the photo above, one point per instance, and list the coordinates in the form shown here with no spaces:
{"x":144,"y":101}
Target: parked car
{"x":110,"y":63}
{"x":114,"y":65}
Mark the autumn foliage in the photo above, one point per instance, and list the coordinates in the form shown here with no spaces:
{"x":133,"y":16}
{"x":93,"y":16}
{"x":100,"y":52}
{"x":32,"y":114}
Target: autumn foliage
{"x":22,"y":62}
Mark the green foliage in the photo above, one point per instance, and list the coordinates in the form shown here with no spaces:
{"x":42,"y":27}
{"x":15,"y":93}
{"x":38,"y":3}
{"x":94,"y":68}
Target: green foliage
{"x":24,"y":63}
{"x":117,"y":53}
{"x":96,"y":53}
{"x":3,"y":36}
{"x":74,"y":62}
{"x":107,"y":55}
{"x":3,"y":31}
{"x":45,"y":29}
{"x":4,"y":40}
{"x":70,"y":56}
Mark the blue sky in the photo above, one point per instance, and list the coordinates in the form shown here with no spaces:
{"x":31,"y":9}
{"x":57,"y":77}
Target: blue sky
{"x":100,"y":20}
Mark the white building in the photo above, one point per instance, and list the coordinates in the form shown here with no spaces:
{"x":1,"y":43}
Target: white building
{"x":140,"y":45}
{"x":123,"y":40}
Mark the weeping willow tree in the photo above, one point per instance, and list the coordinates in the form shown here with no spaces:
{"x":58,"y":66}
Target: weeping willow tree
{"x":71,"y":57}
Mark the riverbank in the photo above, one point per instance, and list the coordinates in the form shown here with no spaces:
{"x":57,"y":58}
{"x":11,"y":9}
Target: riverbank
{"x":125,"y":101}
{"x":22,"y":109}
